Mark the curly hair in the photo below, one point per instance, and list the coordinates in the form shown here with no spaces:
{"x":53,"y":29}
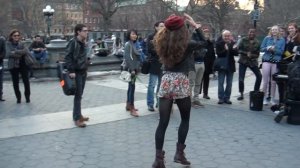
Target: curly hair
{"x":171,"y":45}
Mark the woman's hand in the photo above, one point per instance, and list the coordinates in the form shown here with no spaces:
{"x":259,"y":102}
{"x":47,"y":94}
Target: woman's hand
{"x":191,"y":21}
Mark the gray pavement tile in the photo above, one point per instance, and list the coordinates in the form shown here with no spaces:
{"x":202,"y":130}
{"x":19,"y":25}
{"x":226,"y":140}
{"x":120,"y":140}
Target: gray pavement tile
{"x":217,"y":138}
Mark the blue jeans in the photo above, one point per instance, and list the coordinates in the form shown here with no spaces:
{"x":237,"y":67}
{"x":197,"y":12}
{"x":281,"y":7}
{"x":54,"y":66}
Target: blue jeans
{"x":80,"y":79}
{"x":131,"y":90}
{"x":1,"y":79}
{"x":224,"y":94}
{"x":42,"y":56}
{"x":151,"y":85}
{"x":242,"y":72}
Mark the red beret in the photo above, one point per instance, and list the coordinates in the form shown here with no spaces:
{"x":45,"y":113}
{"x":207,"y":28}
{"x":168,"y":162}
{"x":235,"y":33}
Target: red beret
{"x":174,"y":22}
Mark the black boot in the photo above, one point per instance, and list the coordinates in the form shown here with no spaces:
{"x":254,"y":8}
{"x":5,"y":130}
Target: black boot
{"x":180,"y":155}
{"x":159,"y":161}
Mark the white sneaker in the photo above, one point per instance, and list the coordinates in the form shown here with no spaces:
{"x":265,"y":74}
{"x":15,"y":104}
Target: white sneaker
{"x":265,"y":102}
{"x":273,"y":102}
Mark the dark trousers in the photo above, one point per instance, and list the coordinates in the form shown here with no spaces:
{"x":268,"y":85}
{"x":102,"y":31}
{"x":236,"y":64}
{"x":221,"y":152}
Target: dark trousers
{"x":1,"y":80}
{"x":205,"y":82}
{"x":80,"y":84}
{"x":15,"y":78}
{"x":282,"y":87}
{"x":242,"y":72}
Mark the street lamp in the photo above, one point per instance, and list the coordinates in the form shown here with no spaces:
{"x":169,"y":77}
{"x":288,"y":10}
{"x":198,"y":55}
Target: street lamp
{"x":48,"y":13}
{"x":255,"y":13}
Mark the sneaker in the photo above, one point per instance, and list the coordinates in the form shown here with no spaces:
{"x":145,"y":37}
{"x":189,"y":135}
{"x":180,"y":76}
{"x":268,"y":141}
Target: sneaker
{"x":272,"y":102}
{"x":150,"y":108}
{"x":197,"y":104}
{"x":265,"y":102}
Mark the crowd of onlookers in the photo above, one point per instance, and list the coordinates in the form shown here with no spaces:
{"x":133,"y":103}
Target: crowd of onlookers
{"x":179,"y":59}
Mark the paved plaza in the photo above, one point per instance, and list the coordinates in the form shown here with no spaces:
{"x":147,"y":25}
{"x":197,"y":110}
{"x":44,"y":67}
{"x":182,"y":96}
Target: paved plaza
{"x":41,"y":134}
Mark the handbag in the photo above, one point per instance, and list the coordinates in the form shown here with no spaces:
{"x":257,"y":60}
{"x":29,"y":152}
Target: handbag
{"x":68,"y":84}
{"x":145,"y":67}
{"x":29,"y":60}
{"x":221,"y":63}
{"x":125,"y":76}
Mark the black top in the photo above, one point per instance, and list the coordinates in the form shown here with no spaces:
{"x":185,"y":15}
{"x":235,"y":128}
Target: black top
{"x":2,"y":50}
{"x":37,"y":44}
{"x":155,"y":65}
{"x":76,"y":58}
{"x":230,"y":53}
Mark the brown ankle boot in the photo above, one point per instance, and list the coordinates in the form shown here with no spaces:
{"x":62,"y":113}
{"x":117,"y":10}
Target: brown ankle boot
{"x":180,"y":155}
{"x":159,"y":161}
{"x":135,"y":108}
{"x":128,"y":106}
{"x":133,"y":112}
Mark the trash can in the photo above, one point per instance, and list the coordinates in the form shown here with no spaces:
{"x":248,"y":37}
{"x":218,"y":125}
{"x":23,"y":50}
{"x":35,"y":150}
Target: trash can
{"x":256,"y":100}
{"x":293,"y":111}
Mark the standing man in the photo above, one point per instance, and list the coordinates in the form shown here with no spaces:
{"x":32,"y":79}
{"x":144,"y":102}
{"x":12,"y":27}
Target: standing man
{"x":249,"y":52}
{"x":196,"y":75}
{"x":225,"y":49}
{"x":2,"y":54}
{"x":155,"y":71}
{"x":77,"y":64}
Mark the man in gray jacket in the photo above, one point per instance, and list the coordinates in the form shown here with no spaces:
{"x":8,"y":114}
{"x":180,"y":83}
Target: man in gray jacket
{"x":77,"y":64}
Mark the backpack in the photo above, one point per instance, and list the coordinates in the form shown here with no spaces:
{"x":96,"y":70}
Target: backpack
{"x":294,"y":83}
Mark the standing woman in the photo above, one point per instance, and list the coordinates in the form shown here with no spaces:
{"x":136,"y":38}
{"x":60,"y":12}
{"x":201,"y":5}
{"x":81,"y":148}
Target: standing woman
{"x":15,"y":52}
{"x":132,"y":60}
{"x":155,"y":67}
{"x":209,"y":60}
{"x":273,"y":47}
{"x":174,"y":49}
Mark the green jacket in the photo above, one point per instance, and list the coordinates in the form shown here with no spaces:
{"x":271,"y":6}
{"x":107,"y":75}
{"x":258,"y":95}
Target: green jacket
{"x":253,"y":47}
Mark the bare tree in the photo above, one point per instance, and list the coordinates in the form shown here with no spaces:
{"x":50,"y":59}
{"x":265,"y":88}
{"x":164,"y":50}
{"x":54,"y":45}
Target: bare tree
{"x":106,"y":8}
{"x":216,"y":12}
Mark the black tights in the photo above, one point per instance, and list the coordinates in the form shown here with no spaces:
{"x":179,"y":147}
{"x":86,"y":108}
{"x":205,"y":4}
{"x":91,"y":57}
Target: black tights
{"x":165,"y":107}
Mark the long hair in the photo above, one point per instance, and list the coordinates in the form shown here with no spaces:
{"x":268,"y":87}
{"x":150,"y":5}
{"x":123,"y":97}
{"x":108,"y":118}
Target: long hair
{"x":13,"y":31}
{"x":171,"y":45}
{"x":128,"y":34}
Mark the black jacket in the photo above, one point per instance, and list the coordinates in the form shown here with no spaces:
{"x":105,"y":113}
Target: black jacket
{"x":230,"y":53}
{"x":2,"y":50}
{"x":76,"y":58}
{"x":155,"y":65}
{"x":210,"y":56}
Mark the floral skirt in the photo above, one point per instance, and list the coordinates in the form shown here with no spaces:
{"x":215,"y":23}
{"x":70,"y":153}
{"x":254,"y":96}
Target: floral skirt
{"x":174,"y":85}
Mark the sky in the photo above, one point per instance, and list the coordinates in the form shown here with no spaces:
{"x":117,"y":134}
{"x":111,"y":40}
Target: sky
{"x":243,"y":3}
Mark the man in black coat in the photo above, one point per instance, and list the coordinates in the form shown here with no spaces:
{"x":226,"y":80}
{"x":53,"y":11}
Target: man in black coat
{"x":155,"y":67}
{"x":226,"y":50}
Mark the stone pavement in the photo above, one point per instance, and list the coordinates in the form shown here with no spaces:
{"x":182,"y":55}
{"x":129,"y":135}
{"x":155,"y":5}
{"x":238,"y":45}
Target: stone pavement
{"x":41,"y":134}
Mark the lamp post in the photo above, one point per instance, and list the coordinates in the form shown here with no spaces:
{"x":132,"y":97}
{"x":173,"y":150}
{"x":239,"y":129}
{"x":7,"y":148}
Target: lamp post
{"x":255,"y":14}
{"x":48,"y":13}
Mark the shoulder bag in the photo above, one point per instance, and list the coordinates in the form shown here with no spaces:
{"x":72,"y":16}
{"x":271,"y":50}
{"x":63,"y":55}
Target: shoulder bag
{"x":29,"y":60}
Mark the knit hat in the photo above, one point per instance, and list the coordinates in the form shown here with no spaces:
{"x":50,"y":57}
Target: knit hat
{"x":174,"y":22}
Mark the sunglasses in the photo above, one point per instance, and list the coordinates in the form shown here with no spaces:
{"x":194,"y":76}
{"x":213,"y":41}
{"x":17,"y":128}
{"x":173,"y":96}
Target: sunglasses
{"x":16,"y":35}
